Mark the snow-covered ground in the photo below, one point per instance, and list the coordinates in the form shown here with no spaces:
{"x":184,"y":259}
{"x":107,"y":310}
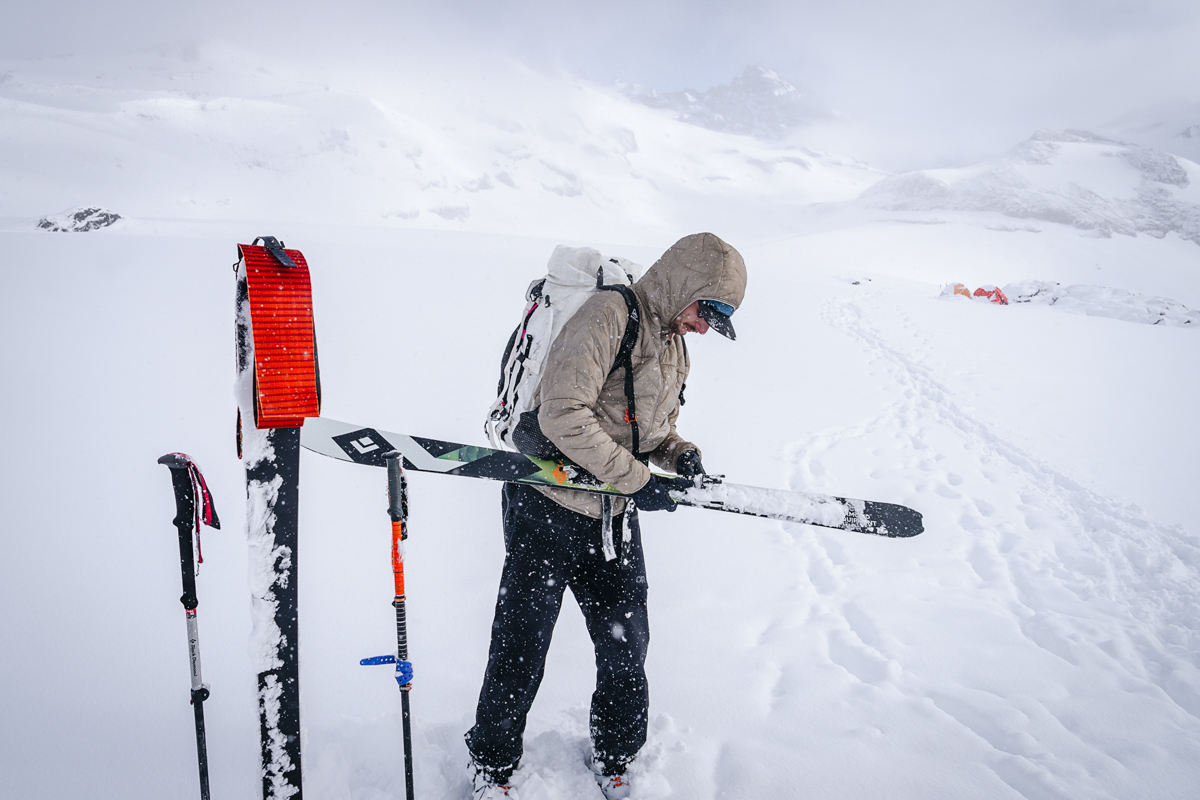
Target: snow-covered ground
{"x":1039,"y":640}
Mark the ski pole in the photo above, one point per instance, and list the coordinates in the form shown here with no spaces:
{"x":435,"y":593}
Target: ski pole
{"x":188,"y":484}
{"x":398,"y":512}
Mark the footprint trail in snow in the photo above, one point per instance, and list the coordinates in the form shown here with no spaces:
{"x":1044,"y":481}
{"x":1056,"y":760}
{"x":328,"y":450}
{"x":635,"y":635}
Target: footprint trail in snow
{"x":1066,"y":622}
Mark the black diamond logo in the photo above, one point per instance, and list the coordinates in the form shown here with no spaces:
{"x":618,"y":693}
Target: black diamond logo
{"x":364,"y":446}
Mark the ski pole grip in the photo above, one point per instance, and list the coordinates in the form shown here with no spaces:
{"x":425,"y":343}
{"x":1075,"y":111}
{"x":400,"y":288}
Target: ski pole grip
{"x":174,"y":461}
{"x":185,"y":509}
{"x":397,"y":502}
{"x":181,"y":482}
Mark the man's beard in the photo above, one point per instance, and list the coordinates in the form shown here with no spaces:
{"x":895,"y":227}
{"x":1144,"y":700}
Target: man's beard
{"x":676,"y":327}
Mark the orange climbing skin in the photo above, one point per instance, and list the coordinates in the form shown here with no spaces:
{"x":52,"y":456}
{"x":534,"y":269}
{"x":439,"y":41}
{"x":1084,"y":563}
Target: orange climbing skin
{"x":285,"y":346}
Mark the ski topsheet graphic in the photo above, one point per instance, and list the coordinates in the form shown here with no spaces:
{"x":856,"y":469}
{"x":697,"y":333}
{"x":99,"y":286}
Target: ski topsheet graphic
{"x":361,"y":445}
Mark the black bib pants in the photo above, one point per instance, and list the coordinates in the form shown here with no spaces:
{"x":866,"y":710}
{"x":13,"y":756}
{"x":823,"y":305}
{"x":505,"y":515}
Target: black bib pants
{"x":548,"y":549}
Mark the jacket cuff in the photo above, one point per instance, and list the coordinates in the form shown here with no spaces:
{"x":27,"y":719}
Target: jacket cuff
{"x":666,"y":454}
{"x":635,"y":480}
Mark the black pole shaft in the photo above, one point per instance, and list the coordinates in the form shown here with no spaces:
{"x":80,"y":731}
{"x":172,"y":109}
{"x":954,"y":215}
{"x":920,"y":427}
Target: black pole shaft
{"x":398,"y":513}
{"x":407,"y":725}
{"x":201,"y":745}
{"x":185,"y":510}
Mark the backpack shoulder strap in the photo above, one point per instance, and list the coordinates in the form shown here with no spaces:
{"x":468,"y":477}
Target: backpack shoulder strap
{"x":687,"y":363}
{"x":625,"y":357}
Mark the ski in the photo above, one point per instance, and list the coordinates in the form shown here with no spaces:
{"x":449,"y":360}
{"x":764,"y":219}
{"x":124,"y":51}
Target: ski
{"x":362,"y":445}
{"x":278,"y":384}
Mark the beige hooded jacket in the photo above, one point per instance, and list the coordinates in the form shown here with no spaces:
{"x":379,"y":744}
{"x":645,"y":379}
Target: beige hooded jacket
{"x":582,"y":405}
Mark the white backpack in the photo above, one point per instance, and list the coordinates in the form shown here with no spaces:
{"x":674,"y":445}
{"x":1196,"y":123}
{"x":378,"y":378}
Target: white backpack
{"x":572,"y":276}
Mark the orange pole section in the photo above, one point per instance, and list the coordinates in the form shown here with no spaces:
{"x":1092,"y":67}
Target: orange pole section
{"x":398,"y":557}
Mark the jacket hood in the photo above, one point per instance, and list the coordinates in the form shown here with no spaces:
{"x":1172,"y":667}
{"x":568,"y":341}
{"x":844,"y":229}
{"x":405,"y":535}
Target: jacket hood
{"x":697,"y":267}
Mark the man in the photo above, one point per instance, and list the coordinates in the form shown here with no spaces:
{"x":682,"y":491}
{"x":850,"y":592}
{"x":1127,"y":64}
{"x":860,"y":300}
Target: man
{"x":556,"y":538}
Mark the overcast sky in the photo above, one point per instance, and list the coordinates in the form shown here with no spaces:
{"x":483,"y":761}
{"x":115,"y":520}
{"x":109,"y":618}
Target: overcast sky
{"x":951,"y":77}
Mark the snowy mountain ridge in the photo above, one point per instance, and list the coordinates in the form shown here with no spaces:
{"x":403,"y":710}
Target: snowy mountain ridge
{"x":1098,"y":185}
{"x":759,"y":102}
{"x":78,"y":220}
{"x":1173,"y":129}
{"x":460,"y":151}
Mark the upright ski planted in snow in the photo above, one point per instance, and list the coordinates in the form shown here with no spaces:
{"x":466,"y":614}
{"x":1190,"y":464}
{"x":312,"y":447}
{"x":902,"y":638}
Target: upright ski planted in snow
{"x":278,"y":385}
{"x":362,"y":445}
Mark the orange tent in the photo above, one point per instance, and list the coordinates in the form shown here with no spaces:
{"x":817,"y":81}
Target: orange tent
{"x":991,"y":292}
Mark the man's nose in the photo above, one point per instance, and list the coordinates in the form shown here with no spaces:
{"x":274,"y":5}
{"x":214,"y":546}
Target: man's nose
{"x":701,"y":326}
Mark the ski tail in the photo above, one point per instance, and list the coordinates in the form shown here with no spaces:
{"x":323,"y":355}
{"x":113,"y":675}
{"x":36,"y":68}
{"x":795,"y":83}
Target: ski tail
{"x":861,"y":516}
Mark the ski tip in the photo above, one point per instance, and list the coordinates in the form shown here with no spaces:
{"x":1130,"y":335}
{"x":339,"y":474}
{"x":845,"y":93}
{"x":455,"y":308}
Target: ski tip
{"x":895,"y":521}
{"x":174,"y":461}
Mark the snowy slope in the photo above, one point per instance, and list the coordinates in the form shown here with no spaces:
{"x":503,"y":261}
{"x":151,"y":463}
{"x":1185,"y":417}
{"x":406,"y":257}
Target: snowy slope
{"x":1175,"y":129}
{"x":458,"y":149}
{"x":760,"y":102}
{"x":1067,"y":177}
{"x":1039,"y":640}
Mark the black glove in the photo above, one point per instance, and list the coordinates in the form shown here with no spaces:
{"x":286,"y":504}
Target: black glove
{"x":688,"y":464}
{"x":653,"y":496}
